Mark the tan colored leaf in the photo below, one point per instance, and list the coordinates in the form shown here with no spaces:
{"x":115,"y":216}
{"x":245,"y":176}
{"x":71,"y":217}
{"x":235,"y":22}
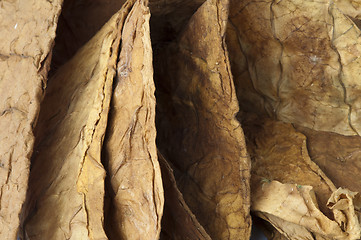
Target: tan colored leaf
{"x":131,"y":155}
{"x":280,"y":153}
{"x":290,"y":191}
{"x":294,"y":211}
{"x":27,"y":32}
{"x":67,"y":176}
{"x":302,"y":62}
{"x":197,"y":128}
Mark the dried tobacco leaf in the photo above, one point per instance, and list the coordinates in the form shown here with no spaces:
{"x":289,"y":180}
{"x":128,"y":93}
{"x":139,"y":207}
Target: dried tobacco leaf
{"x":27,"y":32}
{"x":345,"y":206}
{"x":67,"y":176}
{"x":290,"y":191}
{"x":299,"y":61}
{"x":279,"y":153}
{"x":294,"y":211}
{"x":178,"y":221}
{"x":337,"y":155}
{"x":197,"y":128}
{"x":130,"y":150}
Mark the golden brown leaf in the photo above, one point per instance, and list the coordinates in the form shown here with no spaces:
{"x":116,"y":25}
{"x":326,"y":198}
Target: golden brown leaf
{"x":130,"y":151}
{"x":299,"y":62}
{"x":291,"y":192}
{"x":27,"y":32}
{"x":197,"y":128}
{"x":337,"y":155}
{"x":67,"y":176}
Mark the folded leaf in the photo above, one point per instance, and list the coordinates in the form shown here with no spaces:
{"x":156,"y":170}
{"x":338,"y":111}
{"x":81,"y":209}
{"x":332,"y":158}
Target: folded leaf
{"x":130,"y":151}
{"x":197,"y":129}
{"x":67,"y":176}
{"x":290,"y":191}
{"x":294,"y":212}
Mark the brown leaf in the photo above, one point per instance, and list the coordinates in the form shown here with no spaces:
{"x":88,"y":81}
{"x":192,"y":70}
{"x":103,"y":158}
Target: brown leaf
{"x":337,"y":155}
{"x":302,"y":62}
{"x":197,"y":128}
{"x":26,"y":40}
{"x":130,"y":151}
{"x":290,"y":191}
{"x":294,"y":212}
{"x":67,"y":176}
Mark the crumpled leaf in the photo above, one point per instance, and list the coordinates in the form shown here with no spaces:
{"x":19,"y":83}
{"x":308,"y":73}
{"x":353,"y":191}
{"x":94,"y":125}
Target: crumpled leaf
{"x":197,"y":129}
{"x":178,"y":221}
{"x":290,"y":191}
{"x":67,"y":177}
{"x":344,"y":204}
{"x":130,"y":151}
{"x":280,"y":153}
{"x":294,"y":211}
{"x":299,"y":62}
{"x":27,"y":32}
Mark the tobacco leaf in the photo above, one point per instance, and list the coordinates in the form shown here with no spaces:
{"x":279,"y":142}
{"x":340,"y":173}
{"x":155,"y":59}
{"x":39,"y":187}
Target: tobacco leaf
{"x":279,"y":153}
{"x":290,"y":191}
{"x":178,"y":221}
{"x":130,"y":151}
{"x":337,"y":155}
{"x":66,"y":188}
{"x":296,"y":215}
{"x":27,"y":32}
{"x":197,"y":129}
{"x":298,"y":61}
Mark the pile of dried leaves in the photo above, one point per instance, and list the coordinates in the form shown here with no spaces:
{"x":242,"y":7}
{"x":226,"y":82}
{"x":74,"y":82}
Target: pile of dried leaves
{"x":178,"y":119}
